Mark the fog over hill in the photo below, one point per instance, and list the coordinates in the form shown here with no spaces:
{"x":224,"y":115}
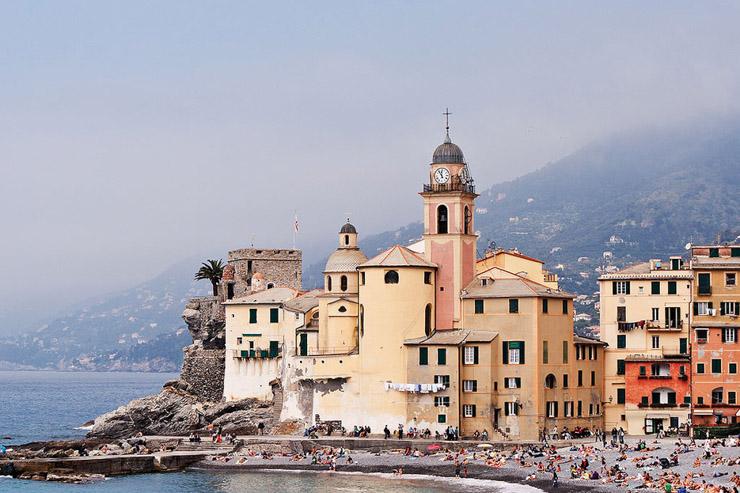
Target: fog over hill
{"x":628,"y":198}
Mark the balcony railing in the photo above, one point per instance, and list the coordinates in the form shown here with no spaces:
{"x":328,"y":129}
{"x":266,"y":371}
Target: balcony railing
{"x":328,"y":351}
{"x":452,"y":186}
{"x":256,"y":353}
{"x":657,"y":405}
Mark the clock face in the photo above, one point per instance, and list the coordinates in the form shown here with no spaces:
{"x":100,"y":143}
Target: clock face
{"x":442,"y":175}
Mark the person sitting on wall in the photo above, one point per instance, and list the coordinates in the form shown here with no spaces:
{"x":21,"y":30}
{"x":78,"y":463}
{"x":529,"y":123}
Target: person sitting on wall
{"x":386,"y":432}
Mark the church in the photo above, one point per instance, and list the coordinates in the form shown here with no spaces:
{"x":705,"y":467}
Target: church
{"x":428,"y":335}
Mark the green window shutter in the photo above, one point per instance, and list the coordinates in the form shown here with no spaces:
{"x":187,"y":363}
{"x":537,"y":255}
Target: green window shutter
{"x":545,"y":355}
{"x":672,"y":287}
{"x":521,"y":353}
{"x":621,"y":341}
{"x":716,"y":366}
{"x":655,"y":287}
{"x":514,"y":305}
{"x":441,"y":356}
{"x":475,"y":385}
{"x":544,"y":305}
{"x":423,"y":356}
{"x":473,"y":409}
{"x":274,"y":315}
{"x":565,"y":307}
{"x":620,"y":396}
{"x":274,"y":349}
{"x":682,"y":345}
{"x":714,"y":252}
{"x":620,"y":367}
{"x":614,"y":287}
{"x":735,"y":252}
{"x":252,"y":315}
{"x":565,"y":352}
{"x":505,"y":352}
{"x":700,"y":368}
{"x":475,"y":355}
{"x":478,"y":306}
{"x":696,"y":308}
{"x":732,"y":368}
{"x":628,"y":287}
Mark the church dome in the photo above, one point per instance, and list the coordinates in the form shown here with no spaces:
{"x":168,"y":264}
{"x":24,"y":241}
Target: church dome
{"x":345,"y":260}
{"x":348,"y":229}
{"x":448,"y":153}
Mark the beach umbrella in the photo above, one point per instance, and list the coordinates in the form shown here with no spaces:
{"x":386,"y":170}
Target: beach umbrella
{"x":485,"y":445}
{"x":434,"y":447}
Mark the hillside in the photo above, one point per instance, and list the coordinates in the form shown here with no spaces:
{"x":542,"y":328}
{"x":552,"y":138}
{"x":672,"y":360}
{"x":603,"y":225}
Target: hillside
{"x":628,"y":198}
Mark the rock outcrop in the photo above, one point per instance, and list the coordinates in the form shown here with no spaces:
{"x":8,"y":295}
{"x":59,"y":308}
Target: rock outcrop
{"x":194,"y":400}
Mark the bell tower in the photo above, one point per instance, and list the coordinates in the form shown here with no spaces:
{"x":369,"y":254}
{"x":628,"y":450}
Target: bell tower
{"x":449,"y":233}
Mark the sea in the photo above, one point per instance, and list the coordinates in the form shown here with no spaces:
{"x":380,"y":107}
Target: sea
{"x":54,"y":405}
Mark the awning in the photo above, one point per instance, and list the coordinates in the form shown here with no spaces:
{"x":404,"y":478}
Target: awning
{"x":657,"y":416}
{"x":703,"y":412}
{"x":737,"y":413}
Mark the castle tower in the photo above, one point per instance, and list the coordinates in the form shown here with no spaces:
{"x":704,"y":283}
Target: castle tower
{"x":449,"y":235}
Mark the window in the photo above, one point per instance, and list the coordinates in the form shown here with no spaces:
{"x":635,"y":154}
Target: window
{"x":274,"y":316}
{"x":544,"y":352}
{"x":655,"y":316}
{"x":730,"y":279}
{"x":362,"y":278}
{"x":620,"y":287}
{"x":580,"y":408}
{"x":565,"y":381}
{"x":580,"y":378}
{"x":513,"y":352}
{"x":391,"y":277}
{"x":731,"y":397}
{"x":702,"y":308}
{"x":342,"y":309}
{"x":701,"y":335}
{"x":700,"y":400}
{"x":470,"y":385}
{"x":470,"y":355}
{"x":442,"y":220}
{"x":427,"y":278}
{"x":274,"y":349}
{"x":239,"y":340}
{"x":729,"y":308}
{"x":568,"y":409}
{"x":732,"y":368}
{"x":513,"y":383}
{"x":655,"y":342}
{"x":705,"y":283}
{"x":621,"y":341}
{"x":729,"y":334}
{"x":621,"y":314}
{"x":717,"y":395}
{"x":252,"y":315}
{"x":620,"y":396}
{"x":441,"y":418}
{"x":716,"y":366}
{"x":230,"y":291}
{"x":544,"y":305}
{"x":514,"y":305}
{"x":683,"y":345}
{"x":441,"y":356}
{"x":565,"y":351}
{"x":714,"y":252}
{"x":643,"y":371}
{"x":620,"y":367}
{"x":442,"y":379}
{"x":478,"y":306}
{"x":591,"y":409}
{"x":362,"y":320}
{"x":466,"y":221}
{"x":552,"y":409}
{"x":673,"y":317}
{"x":593,"y":378}
{"x":423,"y":356}
{"x":671,"y":287}
{"x":328,"y":283}
{"x":343,"y":283}
{"x":550,"y":381}
{"x":428,"y":319}
{"x":442,"y":401}
{"x":511,"y":408}
{"x":700,"y":368}
{"x":655,"y":287}
{"x":469,"y":410}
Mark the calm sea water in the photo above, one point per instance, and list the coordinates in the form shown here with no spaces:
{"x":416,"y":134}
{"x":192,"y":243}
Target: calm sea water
{"x":46,"y":405}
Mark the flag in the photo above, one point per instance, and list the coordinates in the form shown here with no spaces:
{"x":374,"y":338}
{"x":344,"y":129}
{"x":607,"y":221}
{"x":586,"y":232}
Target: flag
{"x":295,"y":224}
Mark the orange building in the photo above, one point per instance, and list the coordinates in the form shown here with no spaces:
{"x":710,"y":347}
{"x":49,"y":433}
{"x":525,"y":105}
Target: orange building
{"x":715,"y":350}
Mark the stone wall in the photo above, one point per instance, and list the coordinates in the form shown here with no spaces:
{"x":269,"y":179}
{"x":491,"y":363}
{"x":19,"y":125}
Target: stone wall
{"x":281,"y":268}
{"x":203,"y":371}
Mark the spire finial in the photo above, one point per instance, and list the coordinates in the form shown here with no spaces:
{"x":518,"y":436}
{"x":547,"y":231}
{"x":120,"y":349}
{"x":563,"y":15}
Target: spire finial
{"x":447,"y":125}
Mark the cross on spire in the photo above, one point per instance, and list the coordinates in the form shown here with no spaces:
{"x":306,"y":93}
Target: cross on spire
{"x":447,"y":123}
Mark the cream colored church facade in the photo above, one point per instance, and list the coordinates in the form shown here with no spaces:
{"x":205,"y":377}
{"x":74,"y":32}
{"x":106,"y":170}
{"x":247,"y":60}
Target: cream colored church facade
{"x":428,"y":335}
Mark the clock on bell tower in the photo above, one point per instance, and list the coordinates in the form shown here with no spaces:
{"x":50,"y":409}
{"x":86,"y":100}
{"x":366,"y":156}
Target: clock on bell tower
{"x":449,"y":235}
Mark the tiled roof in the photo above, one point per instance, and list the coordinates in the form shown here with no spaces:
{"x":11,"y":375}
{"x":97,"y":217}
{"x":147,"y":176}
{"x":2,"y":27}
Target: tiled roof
{"x":268,"y":296}
{"x":516,"y":287}
{"x":642,"y":271}
{"x":587,"y":340}
{"x":452,"y":338}
{"x":304,"y":302}
{"x":398,"y":256}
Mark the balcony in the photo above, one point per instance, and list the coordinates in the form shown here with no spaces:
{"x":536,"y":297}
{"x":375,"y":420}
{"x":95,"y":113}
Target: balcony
{"x":256,"y":353}
{"x":329,"y":351}
{"x":455,"y":185}
{"x":670,"y":326}
{"x":657,"y":405}
{"x":704,"y":290}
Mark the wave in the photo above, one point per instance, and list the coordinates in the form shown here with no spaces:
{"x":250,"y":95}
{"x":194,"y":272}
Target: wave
{"x":85,"y":428}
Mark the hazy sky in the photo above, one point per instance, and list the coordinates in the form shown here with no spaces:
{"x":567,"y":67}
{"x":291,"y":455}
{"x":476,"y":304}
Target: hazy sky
{"x":133,"y":134}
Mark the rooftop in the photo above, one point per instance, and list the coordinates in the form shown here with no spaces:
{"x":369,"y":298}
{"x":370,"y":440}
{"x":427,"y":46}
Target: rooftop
{"x":452,"y":338}
{"x":268,"y":296}
{"x":514,"y":287}
{"x":345,"y":260}
{"x":304,"y":302}
{"x":398,"y":256}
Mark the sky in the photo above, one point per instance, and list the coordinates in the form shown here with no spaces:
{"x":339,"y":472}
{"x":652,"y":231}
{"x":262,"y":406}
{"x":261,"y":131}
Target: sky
{"x":135,"y":134}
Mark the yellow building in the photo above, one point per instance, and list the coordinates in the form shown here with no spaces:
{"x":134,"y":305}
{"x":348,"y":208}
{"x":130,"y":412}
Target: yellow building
{"x":645,"y":321}
{"x":426,"y":336}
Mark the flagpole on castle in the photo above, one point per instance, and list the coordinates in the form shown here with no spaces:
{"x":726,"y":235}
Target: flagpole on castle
{"x":295,"y":226}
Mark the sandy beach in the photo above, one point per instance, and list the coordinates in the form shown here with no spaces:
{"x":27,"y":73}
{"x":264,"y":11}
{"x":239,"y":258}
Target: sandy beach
{"x":608,"y":469}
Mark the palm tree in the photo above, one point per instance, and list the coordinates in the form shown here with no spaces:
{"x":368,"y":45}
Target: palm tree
{"x":211,"y":270}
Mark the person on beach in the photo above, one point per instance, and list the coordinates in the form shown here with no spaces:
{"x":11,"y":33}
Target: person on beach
{"x":386,"y":432}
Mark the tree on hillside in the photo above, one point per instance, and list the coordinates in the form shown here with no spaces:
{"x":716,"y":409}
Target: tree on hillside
{"x":212,"y":270}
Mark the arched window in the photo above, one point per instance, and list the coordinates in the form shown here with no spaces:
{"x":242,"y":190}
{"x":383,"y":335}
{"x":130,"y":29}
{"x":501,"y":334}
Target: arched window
{"x":328,"y":283}
{"x":466,"y":224}
{"x":362,"y":320}
{"x":442,"y":219}
{"x":718,"y":395}
{"x":343,"y":283}
{"x":342,"y":309}
{"x":346,"y":239}
{"x":428,"y":319}
{"x":550,"y":381}
{"x":664,"y":395}
{"x":391,"y":277}
{"x":270,"y":285}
